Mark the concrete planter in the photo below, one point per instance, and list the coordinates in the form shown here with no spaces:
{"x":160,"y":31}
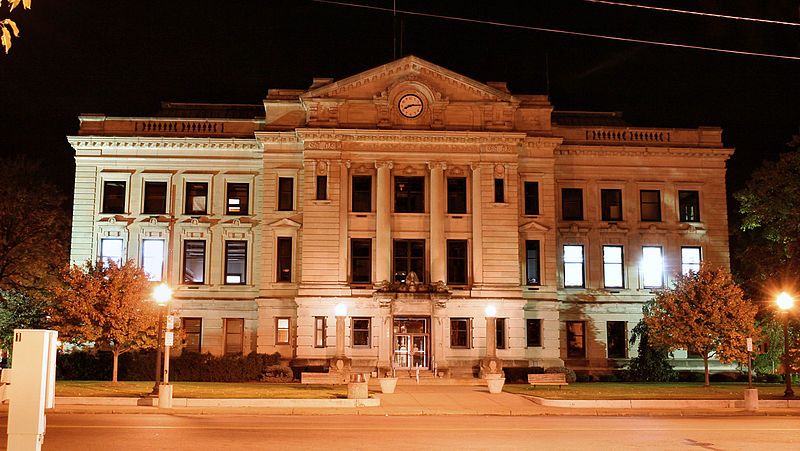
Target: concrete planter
{"x":496,"y":384}
{"x":388,"y":384}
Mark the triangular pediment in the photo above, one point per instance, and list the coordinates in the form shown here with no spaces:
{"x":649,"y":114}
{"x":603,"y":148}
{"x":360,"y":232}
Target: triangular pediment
{"x":285,"y":222}
{"x":377,"y":82}
{"x":533,"y":226}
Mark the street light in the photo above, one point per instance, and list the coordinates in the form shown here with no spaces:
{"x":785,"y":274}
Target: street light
{"x":162,"y":293}
{"x":340,"y":311}
{"x":785,"y":303}
{"x":491,"y":331}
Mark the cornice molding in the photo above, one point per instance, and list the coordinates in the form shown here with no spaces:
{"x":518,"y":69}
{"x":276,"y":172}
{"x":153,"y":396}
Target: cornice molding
{"x":604,"y":151}
{"x":411,"y":136}
{"x":162,"y":143}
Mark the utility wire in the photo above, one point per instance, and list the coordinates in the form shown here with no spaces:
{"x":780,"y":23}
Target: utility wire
{"x":553,"y":30}
{"x":697,"y":13}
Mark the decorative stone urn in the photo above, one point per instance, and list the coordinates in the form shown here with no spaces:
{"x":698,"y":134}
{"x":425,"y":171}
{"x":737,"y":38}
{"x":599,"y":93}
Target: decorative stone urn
{"x":495,"y":383}
{"x":388,"y":384}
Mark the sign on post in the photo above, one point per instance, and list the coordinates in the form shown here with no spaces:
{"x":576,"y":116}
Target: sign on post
{"x":749,"y":344}
{"x":170,"y":322}
{"x":169,"y":338}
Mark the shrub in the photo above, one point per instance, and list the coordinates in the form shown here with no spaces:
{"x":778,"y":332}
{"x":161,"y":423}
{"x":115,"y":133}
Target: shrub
{"x":277,"y":373}
{"x":724,"y":377}
{"x":769,"y":378}
{"x":691,"y":376}
{"x":570,"y":375}
{"x":613,"y":377}
{"x":520,"y":374}
{"x":652,"y":362}
{"x":584,"y":377}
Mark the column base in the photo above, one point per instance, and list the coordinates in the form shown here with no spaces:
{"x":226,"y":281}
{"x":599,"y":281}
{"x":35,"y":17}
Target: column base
{"x":340,"y":368}
{"x":490,"y":366}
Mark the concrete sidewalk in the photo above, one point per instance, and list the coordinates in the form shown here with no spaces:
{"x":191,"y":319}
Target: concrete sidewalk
{"x":427,"y":400}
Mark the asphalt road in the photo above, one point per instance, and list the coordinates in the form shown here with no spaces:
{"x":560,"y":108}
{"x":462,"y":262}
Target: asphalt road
{"x":117,"y":432}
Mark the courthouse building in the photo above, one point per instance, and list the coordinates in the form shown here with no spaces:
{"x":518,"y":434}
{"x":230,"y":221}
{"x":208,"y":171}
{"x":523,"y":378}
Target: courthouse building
{"x":265,"y":217}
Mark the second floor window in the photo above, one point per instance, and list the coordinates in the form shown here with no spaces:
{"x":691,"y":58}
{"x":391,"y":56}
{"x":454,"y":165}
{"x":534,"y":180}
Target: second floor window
{"x":531,"y":198}
{"x":690,"y":259}
{"x":155,"y":198}
{"x":238,"y":199}
{"x":532,"y":265}
{"x":113,"y":197}
{"x":361,"y":260}
{"x":613,"y":267}
{"x":611,"y":203}
{"x":409,"y":194}
{"x":235,"y":262}
{"x":362,"y":193}
{"x":284,"y":260}
{"x":652,"y":267}
{"x":456,"y":262}
{"x":573,"y":266}
{"x":111,"y":251}
{"x":689,"y":206}
{"x":153,"y":259}
{"x":572,"y":204}
{"x":650,"y":205}
{"x":194,"y":262}
{"x":285,"y":194}
{"x":409,"y":255}
{"x":196,"y":198}
{"x":456,"y":195}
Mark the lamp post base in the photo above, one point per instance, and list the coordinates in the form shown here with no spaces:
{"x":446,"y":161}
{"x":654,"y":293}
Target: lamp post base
{"x":165,"y":396}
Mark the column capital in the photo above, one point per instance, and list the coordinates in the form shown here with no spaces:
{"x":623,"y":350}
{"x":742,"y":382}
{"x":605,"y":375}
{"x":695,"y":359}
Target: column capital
{"x":384,"y":164}
{"x":346,"y":163}
{"x":476,"y":166}
{"x":437,"y":165}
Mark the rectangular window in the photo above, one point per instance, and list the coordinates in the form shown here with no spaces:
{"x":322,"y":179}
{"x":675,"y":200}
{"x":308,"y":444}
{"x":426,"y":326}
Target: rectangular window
{"x":456,"y":262}
{"x":456,"y":195}
{"x":362,"y":193}
{"x":155,"y":198}
{"x":238,"y":199}
{"x":111,"y":251}
{"x":153,"y":259}
{"x":689,"y":206}
{"x":194,"y":262}
{"x":532,"y":263}
{"x":361,"y":332}
{"x":192,"y":330}
{"x":499,"y":191}
{"x":282,"y":331}
{"x":650,"y":204}
{"x":320,"y":330}
{"x":573,"y":266}
{"x":652,"y":267}
{"x":361,"y":260}
{"x":409,"y":255}
{"x":613,"y":267}
{"x":531,"y":198}
{"x":460,"y":332}
{"x":572,"y":204}
{"x":533,"y":328}
{"x":284,"y":262}
{"x":500,"y":332}
{"x":113,"y":197}
{"x":196,"y":198}
{"x":234,"y":335}
{"x":576,"y":339}
{"x":285,"y":194}
{"x":690,"y":259}
{"x":611,"y":203}
{"x":409,"y":194}
{"x":322,"y":187}
{"x":235,"y":262}
{"x":617,"y":335}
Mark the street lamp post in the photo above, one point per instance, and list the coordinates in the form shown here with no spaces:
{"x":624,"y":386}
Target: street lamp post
{"x":785,"y":303}
{"x":162,"y":295}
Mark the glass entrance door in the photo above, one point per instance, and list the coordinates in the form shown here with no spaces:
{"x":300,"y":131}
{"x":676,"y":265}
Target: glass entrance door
{"x":411,"y":342}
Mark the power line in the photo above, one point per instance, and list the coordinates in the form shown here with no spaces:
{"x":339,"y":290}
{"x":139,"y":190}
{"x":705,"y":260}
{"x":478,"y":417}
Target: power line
{"x":696,"y":13}
{"x":553,"y":30}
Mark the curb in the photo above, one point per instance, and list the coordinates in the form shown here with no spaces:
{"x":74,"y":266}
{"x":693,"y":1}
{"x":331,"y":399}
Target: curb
{"x":221,"y":402}
{"x":666,"y":404}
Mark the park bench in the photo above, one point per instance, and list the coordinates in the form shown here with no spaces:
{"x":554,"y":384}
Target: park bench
{"x":559,"y":379}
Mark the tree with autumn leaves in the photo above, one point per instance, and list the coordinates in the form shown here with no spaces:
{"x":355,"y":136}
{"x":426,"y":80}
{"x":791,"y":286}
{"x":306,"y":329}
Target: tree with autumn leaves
{"x":107,"y":305}
{"x":705,"y":312}
{"x":8,"y":27}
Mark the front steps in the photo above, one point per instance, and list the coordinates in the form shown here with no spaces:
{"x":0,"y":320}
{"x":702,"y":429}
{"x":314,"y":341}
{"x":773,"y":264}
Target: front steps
{"x":427,"y":378}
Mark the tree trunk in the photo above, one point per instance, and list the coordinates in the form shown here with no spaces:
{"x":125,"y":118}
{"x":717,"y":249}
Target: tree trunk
{"x":705,"y":364}
{"x":116,"y":367}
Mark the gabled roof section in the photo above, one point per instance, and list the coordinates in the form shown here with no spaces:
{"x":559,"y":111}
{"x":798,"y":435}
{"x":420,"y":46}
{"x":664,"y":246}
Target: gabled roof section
{"x":408,"y":65}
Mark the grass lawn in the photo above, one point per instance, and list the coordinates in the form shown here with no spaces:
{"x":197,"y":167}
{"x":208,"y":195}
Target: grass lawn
{"x":202,"y":390}
{"x":619,"y":390}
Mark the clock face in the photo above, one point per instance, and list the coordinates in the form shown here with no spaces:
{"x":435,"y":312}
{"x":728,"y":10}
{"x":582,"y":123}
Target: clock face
{"x":410,"y":105}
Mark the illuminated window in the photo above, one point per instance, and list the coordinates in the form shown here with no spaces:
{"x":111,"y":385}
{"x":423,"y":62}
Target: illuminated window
{"x":456,"y":262}
{"x":196,"y":198}
{"x":194,"y":262}
{"x":613,"y":267}
{"x":617,"y":336}
{"x":690,"y":259}
{"x":111,"y":251}
{"x":499,"y":191}
{"x":689,"y":206}
{"x":113,"y":197}
{"x":155,"y":198}
{"x":234,"y":335}
{"x":573,"y":266}
{"x":361,"y":260}
{"x":320,"y":328}
{"x":456,"y":195}
{"x":460,"y":330}
{"x":652,"y":267}
{"x":572,"y":204}
{"x":576,"y":339}
{"x":500,"y":329}
{"x":285,"y":194}
{"x":362,"y":193}
{"x":650,"y":205}
{"x":192,"y":328}
{"x":409,"y":194}
{"x":322,"y":187}
{"x":235,"y":262}
{"x":153,"y":259}
{"x":611,"y":204}
{"x":361,"y":332}
{"x":533,"y":327}
{"x":531,"y":198}
{"x":284,"y":259}
{"x":238,"y":199}
{"x":532,"y":265}
{"x":282,"y":331}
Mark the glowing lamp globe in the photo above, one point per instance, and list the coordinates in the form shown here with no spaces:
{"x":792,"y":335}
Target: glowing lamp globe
{"x":785,"y":301}
{"x":491,"y":311}
{"x":162,"y":294}
{"x":340,"y":310}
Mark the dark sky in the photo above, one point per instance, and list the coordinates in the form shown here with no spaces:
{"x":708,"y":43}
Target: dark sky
{"x":122,"y":57}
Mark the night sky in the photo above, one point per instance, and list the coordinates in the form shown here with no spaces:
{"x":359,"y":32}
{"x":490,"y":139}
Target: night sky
{"x":123,"y":57}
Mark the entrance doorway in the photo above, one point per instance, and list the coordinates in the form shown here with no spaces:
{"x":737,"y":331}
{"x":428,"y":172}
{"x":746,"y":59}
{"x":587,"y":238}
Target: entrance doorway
{"x":411,"y":342}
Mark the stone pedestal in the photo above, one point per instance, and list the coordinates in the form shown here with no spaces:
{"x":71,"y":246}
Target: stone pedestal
{"x":490,"y":367}
{"x":357,"y":387}
{"x":340,"y":368}
{"x":751,"y":399}
{"x":164,"y":396}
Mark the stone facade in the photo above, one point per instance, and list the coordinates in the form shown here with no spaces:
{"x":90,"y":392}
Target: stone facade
{"x":564,"y":222}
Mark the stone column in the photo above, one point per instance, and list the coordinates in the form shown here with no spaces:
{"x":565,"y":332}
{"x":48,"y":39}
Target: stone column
{"x":490,"y":365}
{"x":344,"y":202}
{"x":491,"y":337}
{"x":477,"y":227}
{"x":437,"y":244}
{"x":339,"y":337}
{"x":383,"y":232}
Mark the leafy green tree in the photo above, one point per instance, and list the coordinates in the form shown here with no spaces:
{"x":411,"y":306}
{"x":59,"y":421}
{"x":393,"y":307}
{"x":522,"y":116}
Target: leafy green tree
{"x":20,"y":311}
{"x":107,"y":305}
{"x":705,"y":312}
{"x":652,"y":362}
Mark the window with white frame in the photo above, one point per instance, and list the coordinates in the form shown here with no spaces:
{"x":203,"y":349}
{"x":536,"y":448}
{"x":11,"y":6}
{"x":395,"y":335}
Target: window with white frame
{"x":573,"y":266}
{"x":111,"y":251}
{"x":320,"y":328}
{"x":153,"y":259}
{"x":282,"y":335}
{"x":196,"y":201}
{"x":235,"y":262}
{"x":113,"y":196}
{"x":690,"y":259}
{"x":613,"y":267}
{"x":361,"y":332}
{"x":652,"y":267}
